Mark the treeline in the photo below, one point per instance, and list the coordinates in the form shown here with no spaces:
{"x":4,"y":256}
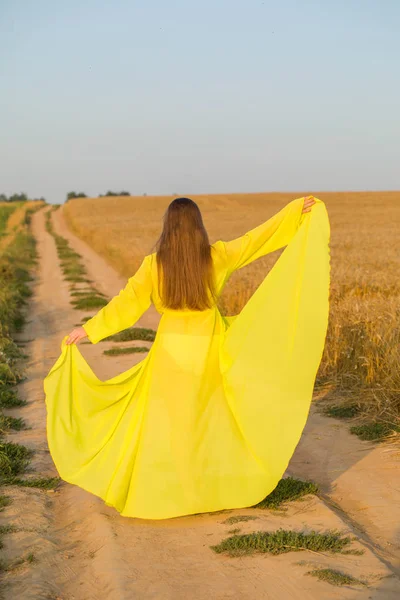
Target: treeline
{"x":72,"y":195}
{"x":22,"y":197}
{"x":109,"y":193}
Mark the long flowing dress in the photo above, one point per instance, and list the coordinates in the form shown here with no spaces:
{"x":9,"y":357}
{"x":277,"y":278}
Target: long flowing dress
{"x":210,"y":418}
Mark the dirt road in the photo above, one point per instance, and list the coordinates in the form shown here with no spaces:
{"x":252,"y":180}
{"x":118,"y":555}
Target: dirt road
{"x":86,"y":551}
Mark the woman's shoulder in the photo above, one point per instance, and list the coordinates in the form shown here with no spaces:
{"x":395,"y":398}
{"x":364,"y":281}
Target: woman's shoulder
{"x":150,"y":259}
{"x":218,"y":251}
{"x":218,"y":255}
{"x":218,"y":247}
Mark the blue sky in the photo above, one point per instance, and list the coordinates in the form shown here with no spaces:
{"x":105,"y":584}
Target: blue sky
{"x":198,"y":97}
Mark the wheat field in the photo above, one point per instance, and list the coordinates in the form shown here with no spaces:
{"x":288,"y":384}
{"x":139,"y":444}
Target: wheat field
{"x":361,"y":361}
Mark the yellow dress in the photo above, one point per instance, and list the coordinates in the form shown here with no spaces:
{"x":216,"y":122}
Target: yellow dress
{"x":210,"y":418}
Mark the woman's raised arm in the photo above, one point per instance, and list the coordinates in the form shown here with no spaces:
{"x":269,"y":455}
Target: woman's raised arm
{"x":269,"y":236}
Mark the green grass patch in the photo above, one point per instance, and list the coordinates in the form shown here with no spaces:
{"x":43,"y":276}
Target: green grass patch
{"x":77,"y":279}
{"x":9,"y":374}
{"x":44,"y":483}
{"x":335,"y":577}
{"x":15,"y":262}
{"x":4,"y":529}
{"x":9,"y":399}
{"x":374,"y":432}
{"x":282,"y":541}
{"x":129,"y":350}
{"x":74,"y":270}
{"x":4,"y":501}
{"x":288,"y":489}
{"x":239,"y":519}
{"x":342,"y":411}
{"x":9,"y":350}
{"x":66,"y":254}
{"x":133,"y":333}
{"x":10,"y":354}
{"x":14,"y":458}
{"x":31,"y":558}
{"x":89,"y":301}
{"x":7,"y":422}
{"x":86,"y":292}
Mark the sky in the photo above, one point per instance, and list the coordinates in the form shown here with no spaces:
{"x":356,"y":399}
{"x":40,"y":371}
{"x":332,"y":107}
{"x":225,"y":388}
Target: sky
{"x":186,"y":97}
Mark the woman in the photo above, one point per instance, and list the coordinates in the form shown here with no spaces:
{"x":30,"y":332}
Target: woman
{"x":209,"y":419}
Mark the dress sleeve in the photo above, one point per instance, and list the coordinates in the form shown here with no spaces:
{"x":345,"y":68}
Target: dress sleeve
{"x":265,"y":238}
{"x":124,"y":309}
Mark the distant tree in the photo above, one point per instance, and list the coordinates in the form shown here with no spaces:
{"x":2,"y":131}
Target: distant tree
{"x":145,"y":194}
{"x":72,"y":195}
{"x":22,"y":197}
{"x":18,"y":198}
{"x":110,"y":193}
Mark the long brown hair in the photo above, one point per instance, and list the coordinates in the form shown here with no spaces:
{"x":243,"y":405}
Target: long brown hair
{"x":185,"y":268}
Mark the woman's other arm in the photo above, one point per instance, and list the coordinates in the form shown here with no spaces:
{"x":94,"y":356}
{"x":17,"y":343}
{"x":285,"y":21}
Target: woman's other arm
{"x":122,"y":311}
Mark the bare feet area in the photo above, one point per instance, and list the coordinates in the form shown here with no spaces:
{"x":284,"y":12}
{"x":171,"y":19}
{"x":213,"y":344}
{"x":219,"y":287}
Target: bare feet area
{"x":84,"y":550}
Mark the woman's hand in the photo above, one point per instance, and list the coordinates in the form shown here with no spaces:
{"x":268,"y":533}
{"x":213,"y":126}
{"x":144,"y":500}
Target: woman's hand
{"x":308,"y":202}
{"x":76,"y":335}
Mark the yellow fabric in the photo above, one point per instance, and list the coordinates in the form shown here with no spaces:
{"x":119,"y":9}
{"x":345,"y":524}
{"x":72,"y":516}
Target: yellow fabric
{"x":210,"y":418}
